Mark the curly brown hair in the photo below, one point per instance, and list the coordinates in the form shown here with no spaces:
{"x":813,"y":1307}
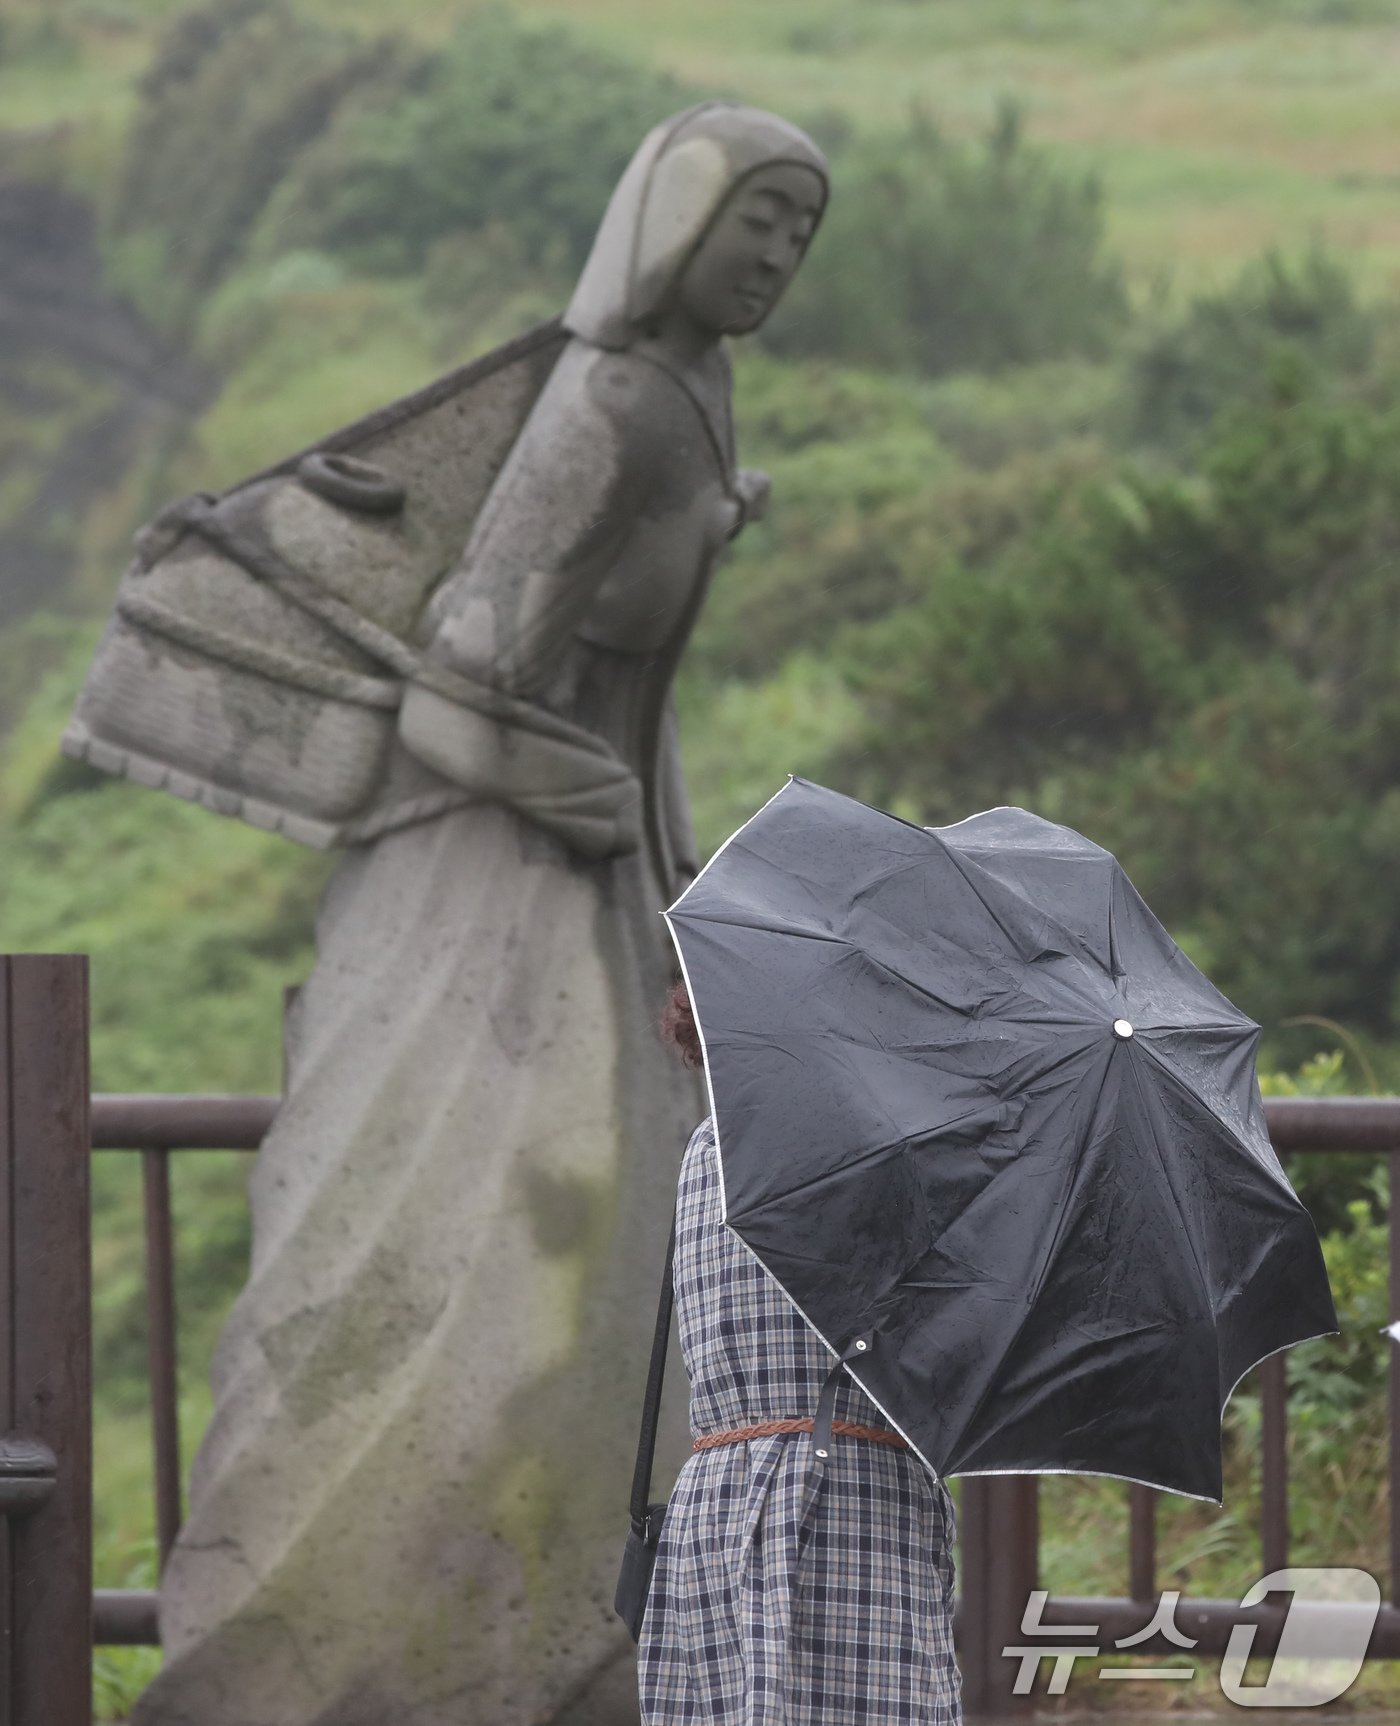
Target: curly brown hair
{"x":678,"y":1026}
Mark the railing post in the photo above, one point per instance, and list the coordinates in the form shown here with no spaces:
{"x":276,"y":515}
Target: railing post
{"x":45,"y":1344}
{"x":998,"y":1567}
{"x":1393,"y":1362}
{"x":1142,"y":1543}
{"x":162,"y":1346}
{"x":1273,"y":1470}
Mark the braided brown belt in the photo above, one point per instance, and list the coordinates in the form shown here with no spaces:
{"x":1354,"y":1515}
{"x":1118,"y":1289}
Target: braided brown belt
{"x":770,"y":1428}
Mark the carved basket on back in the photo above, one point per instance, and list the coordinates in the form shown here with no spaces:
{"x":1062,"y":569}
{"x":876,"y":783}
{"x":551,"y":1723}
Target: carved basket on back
{"x":256,"y":656}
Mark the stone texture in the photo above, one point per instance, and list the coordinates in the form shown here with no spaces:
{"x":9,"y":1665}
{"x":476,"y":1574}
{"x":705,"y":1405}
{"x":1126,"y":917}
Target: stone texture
{"x":411,"y":1501}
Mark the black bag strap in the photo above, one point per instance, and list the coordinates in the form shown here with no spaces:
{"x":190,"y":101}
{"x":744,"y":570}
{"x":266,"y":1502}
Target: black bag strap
{"x":826,"y":1402}
{"x":651,"y":1403}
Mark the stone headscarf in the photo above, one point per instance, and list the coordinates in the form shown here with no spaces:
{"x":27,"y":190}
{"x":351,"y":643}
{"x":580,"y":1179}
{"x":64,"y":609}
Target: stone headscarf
{"x":659,"y":212}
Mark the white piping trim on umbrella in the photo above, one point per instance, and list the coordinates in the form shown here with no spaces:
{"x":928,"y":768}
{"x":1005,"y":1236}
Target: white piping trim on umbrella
{"x":977,"y":815}
{"x":1094,"y":1473}
{"x":700,"y":1029}
{"x":1132,"y":1479}
{"x":1269,"y":1356}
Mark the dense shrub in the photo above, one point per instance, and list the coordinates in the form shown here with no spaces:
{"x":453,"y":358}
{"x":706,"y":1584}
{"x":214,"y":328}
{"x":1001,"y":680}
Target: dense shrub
{"x":941,"y":256}
{"x":1280,"y":312}
{"x":1199,"y":671}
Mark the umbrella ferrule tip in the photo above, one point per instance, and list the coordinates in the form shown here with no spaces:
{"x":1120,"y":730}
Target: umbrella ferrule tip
{"x":1122,"y":1028}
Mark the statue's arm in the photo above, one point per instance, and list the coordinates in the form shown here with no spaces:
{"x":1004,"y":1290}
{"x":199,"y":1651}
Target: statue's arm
{"x":675,"y":802}
{"x":565,"y":504}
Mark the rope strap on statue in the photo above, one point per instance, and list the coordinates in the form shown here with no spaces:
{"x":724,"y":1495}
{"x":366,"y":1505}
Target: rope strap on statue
{"x":486,"y":742}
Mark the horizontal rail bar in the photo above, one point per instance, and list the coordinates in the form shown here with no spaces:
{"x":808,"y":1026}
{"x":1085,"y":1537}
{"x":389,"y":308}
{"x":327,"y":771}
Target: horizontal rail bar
{"x":1333,"y":1123}
{"x":1330,"y":1124}
{"x":1208,"y":1621}
{"x":180,"y":1123}
{"x":125,"y":1618}
{"x":234,"y":1123}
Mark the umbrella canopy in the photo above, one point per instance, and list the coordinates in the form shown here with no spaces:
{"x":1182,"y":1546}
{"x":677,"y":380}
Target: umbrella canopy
{"x":977,"y":1112}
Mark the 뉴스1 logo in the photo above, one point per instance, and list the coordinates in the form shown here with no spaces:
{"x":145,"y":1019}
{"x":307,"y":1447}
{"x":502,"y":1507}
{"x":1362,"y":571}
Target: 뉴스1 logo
{"x":1321,"y":1649}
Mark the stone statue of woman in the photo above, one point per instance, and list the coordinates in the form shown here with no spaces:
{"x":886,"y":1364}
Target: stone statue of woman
{"x":409,"y":1505}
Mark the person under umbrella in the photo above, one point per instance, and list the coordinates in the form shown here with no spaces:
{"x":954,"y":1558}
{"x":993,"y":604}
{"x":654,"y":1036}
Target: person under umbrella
{"x":984,"y":1137}
{"x":789,"y":1590}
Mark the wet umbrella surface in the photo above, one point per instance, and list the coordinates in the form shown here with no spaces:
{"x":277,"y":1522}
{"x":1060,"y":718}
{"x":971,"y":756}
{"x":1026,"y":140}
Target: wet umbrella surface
{"x":977,"y":1112}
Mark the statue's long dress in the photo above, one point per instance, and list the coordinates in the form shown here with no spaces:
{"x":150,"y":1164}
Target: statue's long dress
{"x":409,"y":1507}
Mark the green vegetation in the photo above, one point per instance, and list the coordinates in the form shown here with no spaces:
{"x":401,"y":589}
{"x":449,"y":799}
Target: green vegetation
{"x":368,"y":151}
{"x":1196,"y":665}
{"x":1048,"y":527}
{"x":264,"y":83}
{"x":944,"y":257}
{"x":526,"y":129}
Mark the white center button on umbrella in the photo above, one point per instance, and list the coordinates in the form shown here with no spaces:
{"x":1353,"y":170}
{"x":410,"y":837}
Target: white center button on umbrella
{"x":1121,"y":1028}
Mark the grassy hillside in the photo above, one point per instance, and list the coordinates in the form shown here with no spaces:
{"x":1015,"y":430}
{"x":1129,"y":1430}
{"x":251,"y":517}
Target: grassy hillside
{"x":1220,"y":126}
{"x":1105,"y":526}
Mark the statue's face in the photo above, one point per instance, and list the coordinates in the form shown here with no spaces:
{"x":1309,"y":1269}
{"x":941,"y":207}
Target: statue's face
{"x":752,"y":249}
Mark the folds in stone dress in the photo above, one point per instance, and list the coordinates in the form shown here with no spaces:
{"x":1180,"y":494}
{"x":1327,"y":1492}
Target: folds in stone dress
{"x":410,"y":1501}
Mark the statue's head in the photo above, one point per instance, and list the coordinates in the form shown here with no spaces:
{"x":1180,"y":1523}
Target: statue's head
{"x":715,"y":212}
{"x":750,"y":251}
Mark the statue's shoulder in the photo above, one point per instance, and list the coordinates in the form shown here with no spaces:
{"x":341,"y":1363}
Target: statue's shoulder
{"x":639,"y":397}
{"x":620,"y":412}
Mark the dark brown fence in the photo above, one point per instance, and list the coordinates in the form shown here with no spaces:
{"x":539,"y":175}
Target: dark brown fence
{"x":45,"y":1324}
{"x":999,"y":1533}
{"x":155,"y":1128}
{"x":48,"y":1616}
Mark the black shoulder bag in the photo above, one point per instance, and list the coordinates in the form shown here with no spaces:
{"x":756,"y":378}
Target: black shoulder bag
{"x":639,"y":1555}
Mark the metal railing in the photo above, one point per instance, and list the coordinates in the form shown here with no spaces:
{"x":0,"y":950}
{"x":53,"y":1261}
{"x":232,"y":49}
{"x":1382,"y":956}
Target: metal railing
{"x":999,"y":1542}
{"x":49,"y":1128}
{"x":156,"y":1127}
{"x":45,"y":1346}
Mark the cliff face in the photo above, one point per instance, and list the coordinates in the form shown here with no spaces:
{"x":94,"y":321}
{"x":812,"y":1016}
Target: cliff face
{"x":85,"y":388}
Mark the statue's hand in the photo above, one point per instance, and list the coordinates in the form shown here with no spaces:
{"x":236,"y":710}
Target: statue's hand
{"x":463,"y":637}
{"x":755,"y":488}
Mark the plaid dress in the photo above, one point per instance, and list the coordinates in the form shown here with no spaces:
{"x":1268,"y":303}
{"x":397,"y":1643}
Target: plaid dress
{"x":780,"y":1598}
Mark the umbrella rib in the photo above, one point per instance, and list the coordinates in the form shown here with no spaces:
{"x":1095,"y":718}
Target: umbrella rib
{"x":1171,"y":1185}
{"x":1052,"y":1250}
{"x":1242,"y":1144}
{"x":1114,"y":969}
{"x":1004,"y":1015}
{"x":760,"y":924}
{"x":965,"y":864}
{"x":1024,"y":1320}
{"x":873,"y":1153}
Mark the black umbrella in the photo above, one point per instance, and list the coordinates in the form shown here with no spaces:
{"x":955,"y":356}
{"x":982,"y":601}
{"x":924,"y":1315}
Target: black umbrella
{"x":996,"y":1136}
